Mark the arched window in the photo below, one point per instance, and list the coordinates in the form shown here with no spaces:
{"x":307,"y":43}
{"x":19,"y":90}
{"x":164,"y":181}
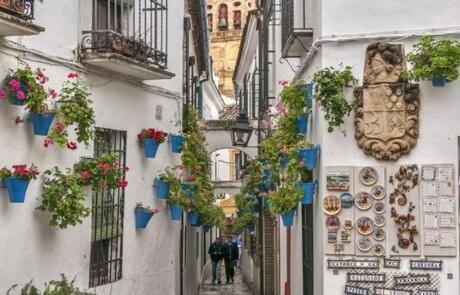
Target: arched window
{"x":223,"y":16}
{"x":210,"y":22}
{"x":237,"y":19}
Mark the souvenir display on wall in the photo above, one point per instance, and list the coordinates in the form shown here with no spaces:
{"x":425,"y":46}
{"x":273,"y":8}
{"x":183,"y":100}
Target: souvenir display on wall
{"x":370,"y":211}
{"x":339,"y":206}
{"x":438,"y":204}
{"x":403,"y":202}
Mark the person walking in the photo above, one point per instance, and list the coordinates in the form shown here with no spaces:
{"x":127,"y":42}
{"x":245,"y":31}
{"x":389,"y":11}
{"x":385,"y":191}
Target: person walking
{"x":231,"y":253}
{"x":216,"y":253}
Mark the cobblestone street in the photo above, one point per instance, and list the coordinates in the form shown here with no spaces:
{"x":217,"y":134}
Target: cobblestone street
{"x":237,"y":288}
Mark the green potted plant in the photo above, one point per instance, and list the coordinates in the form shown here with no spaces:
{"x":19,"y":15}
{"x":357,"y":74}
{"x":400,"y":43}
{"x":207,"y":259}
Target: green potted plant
{"x":151,"y":139}
{"x":162,"y":184}
{"x":54,"y":287}
{"x":284,"y":201}
{"x":435,"y":60}
{"x":73,"y":108}
{"x":143,"y":215}
{"x":63,"y":197}
{"x":329,"y":86}
{"x":17,"y":181}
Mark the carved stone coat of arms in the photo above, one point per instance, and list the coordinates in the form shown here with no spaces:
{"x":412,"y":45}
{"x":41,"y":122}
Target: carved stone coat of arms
{"x":386,"y":118}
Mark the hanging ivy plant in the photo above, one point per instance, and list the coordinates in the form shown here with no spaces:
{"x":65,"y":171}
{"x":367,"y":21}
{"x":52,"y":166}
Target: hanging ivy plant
{"x":73,"y":109}
{"x":329,"y":86}
{"x":432,"y":59}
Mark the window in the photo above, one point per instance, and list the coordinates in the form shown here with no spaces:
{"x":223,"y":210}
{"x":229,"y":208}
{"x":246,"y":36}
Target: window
{"x":107,"y":216}
{"x":223,"y":16}
{"x":307,"y":249}
{"x":108,"y":16}
{"x":237,"y":19}
{"x":210,"y":22}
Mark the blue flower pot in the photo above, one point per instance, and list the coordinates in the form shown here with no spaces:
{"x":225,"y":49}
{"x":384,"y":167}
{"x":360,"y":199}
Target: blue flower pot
{"x":161,"y":189}
{"x":142,"y":217}
{"x":266,"y":203}
{"x":308,"y":192}
{"x":262,"y":188}
{"x":193,"y":218}
{"x":17,"y":188}
{"x":439,"y":81}
{"x":284,"y":160}
{"x":177,"y":143}
{"x":288,"y":218}
{"x":255,"y":208}
{"x":309,"y":95}
{"x":175,"y":211}
{"x":250,"y":227}
{"x":150,"y":147}
{"x":188,"y":189}
{"x":301,"y":123}
{"x":42,"y":123}
{"x":206,"y":228}
{"x":269,"y":186}
{"x":309,"y":156}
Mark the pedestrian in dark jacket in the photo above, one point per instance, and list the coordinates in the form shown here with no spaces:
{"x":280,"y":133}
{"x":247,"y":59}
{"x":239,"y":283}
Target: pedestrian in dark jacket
{"x":216,"y":253}
{"x":231,"y":254}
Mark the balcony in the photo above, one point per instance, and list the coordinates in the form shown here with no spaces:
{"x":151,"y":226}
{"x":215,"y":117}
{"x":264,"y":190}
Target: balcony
{"x":297,"y":35}
{"x":16,"y":18}
{"x":129,"y":37}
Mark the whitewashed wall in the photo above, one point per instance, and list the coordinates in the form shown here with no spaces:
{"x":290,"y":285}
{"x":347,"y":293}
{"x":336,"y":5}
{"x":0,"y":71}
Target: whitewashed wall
{"x":30,"y":249}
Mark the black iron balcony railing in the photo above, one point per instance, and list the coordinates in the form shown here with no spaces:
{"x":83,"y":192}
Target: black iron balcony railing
{"x":136,"y":29}
{"x":20,"y":8}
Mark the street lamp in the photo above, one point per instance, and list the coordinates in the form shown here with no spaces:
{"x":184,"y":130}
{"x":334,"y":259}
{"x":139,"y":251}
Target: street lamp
{"x":241,"y":131}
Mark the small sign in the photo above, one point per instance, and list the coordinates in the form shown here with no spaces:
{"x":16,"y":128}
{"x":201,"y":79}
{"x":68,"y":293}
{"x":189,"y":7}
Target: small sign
{"x":353,"y":290}
{"x":352,"y":264}
{"x":158,"y":112}
{"x":426,"y":264}
{"x":386,"y":291}
{"x":391,"y":263}
{"x":365,"y":277}
{"x":427,"y":292}
{"x":412,"y":280}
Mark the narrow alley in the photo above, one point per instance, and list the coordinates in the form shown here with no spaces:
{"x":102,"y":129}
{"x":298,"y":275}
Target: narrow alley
{"x":236,"y":288}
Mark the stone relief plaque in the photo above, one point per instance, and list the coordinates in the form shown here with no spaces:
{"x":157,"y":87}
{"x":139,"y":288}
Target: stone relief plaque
{"x":426,"y":264}
{"x":391,"y":263}
{"x":388,"y":291}
{"x":387,"y":115}
{"x":352,"y":264}
{"x":419,"y":279}
{"x":353,"y":277}
{"x":354,"y":290}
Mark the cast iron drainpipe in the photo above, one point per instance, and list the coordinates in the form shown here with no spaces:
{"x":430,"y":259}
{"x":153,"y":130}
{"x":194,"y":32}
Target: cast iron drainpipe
{"x":287,"y":286}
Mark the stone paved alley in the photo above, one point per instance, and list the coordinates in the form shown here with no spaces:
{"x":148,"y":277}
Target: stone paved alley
{"x":237,"y":288}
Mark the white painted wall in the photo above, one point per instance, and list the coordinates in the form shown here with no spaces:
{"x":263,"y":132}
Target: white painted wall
{"x":30,"y":249}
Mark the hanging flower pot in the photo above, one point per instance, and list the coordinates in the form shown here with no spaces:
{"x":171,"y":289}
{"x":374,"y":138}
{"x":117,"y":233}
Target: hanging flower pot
{"x":255,"y":208}
{"x":308,"y":190}
{"x":150,"y":147}
{"x":161,"y":189}
{"x":439,"y":81}
{"x":250,"y":227}
{"x":206,"y":228}
{"x":17,"y":188}
{"x":193,"y":218}
{"x":188,"y":189}
{"x":18,"y":93}
{"x":175,"y":211}
{"x":262,"y":188}
{"x":42,"y":122}
{"x":269,"y":185}
{"x":142,"y":217}
{"x":266,"y":203}
{"x":284,"y":160}
{"x":302,"y":123}
{"x":309,"y":95}
{"x":288,"y":218}
{"x":177,"y":143}
{"x":309,"y":156}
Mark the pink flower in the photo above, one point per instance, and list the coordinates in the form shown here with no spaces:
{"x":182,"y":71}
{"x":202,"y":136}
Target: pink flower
{"x":52,"y":93}
{"x":103,"y":185}
{"x":18,"y":120}
{"x":3,"y":94}
{"x":191,"y":177}
{"x":123,"y":183}
{"x":104,"y":167}
{"x":15,"y":84}
{"x":126,"y":168}
{"x":85,"y":174}
{"x":283,"y":82}
{"x":156,"y":210}
{"x":181,"y":166}
{"x":72,"y":146}
{"x":20,"y":95}
{"x":72,"y":75}
{"x":47,"y":142}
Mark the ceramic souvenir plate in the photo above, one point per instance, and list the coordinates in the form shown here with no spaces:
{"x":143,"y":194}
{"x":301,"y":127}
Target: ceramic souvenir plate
{"x":378,"y":250}
{"x":379,"y":220}
{"x":363,"y":201}
{"x":379,"y":234}
{"x":332,"y":223}
{"x":364,"y":244}
{"x":378,"y":192}
{"x":332,"y":205}
{"x":368,"y":176}
{"x":379,"y":207}
{"x":365,"y":226}
{"x":347,"y":200}
{"x":348,"y":224}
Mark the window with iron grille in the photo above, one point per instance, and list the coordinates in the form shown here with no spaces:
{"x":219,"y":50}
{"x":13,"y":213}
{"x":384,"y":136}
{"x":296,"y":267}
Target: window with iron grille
{"x":307,"y":249}
{"x":107,"y":215}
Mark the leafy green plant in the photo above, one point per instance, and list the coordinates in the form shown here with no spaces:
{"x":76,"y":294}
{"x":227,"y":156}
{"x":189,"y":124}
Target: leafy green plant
{"x":434,"y":59}
{"x":244,"y":215}
{"x":329,"y":86}
{"x":64,"y":198}
{"x":55,"y":287}
{"x":73,"y":109}
{"x":147,"y":209}
{"x":285,"y":199}
{"x":20,"y":171}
